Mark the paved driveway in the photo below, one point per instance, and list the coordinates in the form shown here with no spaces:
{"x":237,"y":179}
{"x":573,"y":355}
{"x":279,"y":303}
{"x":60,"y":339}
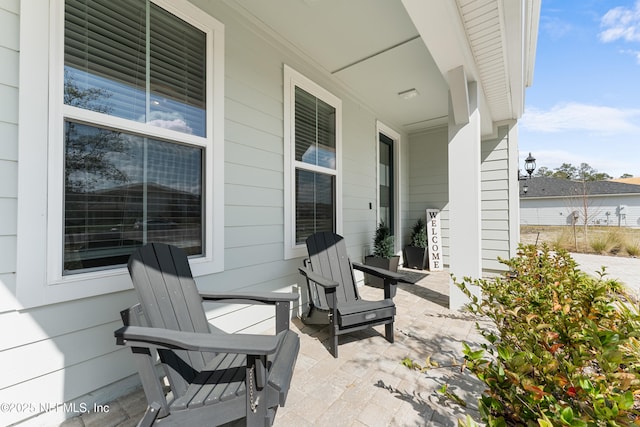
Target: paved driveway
{"x":624,"y":269}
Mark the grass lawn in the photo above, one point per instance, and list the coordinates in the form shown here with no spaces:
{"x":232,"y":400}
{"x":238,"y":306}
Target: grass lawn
{"x":621,"y":241}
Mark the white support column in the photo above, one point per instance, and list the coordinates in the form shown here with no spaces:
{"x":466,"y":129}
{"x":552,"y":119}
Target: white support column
{"x":465,"y":244}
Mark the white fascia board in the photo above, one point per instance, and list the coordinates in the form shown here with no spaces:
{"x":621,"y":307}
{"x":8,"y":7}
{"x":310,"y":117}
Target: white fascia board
{"x":512,"y":19}
{"x":520,"y":20}
{"x":532,"y":22}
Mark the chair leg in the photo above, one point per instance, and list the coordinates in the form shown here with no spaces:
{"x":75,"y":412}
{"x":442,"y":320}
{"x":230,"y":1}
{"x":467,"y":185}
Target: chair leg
{"x":388,"y":332}
{"x":333,"y":341}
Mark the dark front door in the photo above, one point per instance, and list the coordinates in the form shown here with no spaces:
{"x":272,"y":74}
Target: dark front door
{"x":386,"y":174}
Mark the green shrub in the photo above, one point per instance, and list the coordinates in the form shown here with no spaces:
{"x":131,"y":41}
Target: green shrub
{"x":565,"y":350}
{"x":383,"y":241}
{"x":419,"y":234}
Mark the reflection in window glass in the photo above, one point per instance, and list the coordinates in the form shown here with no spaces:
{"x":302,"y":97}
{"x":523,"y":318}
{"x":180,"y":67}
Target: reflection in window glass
{"x":109,"y":69}
{"x":123,"y":191}
{"x":315,"y":207}
{"x":315,"y":130}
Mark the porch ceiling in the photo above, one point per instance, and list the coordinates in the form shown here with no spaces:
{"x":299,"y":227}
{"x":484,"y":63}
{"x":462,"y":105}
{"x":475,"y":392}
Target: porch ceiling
{"x":371,"y":46}
{"x":380,"y":48}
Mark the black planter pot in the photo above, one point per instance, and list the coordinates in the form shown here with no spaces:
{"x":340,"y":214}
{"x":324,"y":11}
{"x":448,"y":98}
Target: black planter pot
{"x":415,"y":257}
{"x":390,"y":264}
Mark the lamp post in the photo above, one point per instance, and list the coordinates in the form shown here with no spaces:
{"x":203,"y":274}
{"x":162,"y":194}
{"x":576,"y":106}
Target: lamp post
{"x":530,"y":164}
{"x":529,"y":167}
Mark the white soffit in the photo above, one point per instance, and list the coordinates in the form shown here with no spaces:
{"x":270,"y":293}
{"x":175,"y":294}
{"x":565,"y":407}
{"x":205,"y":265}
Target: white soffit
{"x":493,"y":41}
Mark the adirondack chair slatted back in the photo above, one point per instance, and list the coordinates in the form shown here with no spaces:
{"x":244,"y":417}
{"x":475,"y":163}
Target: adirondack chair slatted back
{"x":169,"y":298}
{"x":328,"y":255}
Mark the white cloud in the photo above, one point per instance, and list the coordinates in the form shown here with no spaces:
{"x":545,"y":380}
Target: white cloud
{"x":582,"y":117}
{"x":632,"y":52}
{"x":621,"y":23}
{"x":556,"y":28}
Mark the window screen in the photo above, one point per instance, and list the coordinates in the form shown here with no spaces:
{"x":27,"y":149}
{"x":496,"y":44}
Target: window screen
{"x":122,"y":191}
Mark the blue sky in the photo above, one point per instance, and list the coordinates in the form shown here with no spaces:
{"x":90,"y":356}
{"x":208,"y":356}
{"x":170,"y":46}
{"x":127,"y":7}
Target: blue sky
{"x":584,"y":104}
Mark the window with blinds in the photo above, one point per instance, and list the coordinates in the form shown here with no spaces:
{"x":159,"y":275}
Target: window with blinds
{"x":132,"y":60}
{"x":315,"y":165}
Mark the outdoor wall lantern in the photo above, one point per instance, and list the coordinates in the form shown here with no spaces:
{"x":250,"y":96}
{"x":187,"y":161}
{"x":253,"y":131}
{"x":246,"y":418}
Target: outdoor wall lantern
{"x":529,"y":166}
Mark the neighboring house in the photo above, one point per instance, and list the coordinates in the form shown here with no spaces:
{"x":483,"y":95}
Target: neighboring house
{"x":556,"y":201}
{"x":235,"y":129}
{"x":633,"y":180}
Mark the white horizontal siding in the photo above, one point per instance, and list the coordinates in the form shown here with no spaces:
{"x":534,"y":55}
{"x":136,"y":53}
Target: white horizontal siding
{"x":8,"y":251}
{"x":242,"y":174}
{"x":236,"y":237}
{"x":9,"y":104}
{"x":67,"y":384}
{"x":495,"y":200}
{"x":428,"y":180}
{"x":359,"y":172}
{"x":12,"y":6}
{"x":258,"y":215}
{"x":9,"y":138}
{"x":9,"y":47}
{"x":9,"y":209}
{"x":495,"y":234}
{"x":10,"y":25}
{"x":8,"y":72}
{"x":62,"y":351}
{"x":52,"y":321}
{"x":243,"y":195}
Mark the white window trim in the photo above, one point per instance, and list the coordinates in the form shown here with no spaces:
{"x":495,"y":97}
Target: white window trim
{"x":39,"y":278}
{"x":293,"y":79}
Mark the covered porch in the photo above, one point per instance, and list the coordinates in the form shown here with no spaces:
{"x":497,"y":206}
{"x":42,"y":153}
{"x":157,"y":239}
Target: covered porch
{"x":446,"y":83}
{"x":368,"y":385}
{"x":439,"y":83}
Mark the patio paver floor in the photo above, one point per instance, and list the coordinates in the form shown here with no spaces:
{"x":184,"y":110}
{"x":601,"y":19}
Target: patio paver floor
{"x":367,"y":385}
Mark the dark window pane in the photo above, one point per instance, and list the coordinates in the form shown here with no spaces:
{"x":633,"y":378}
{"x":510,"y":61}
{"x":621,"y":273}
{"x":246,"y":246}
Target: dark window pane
{"x":108,"y":68}
{"x":315,"y":130}
{"x":315,"y":204}
{"x":122,"y":191}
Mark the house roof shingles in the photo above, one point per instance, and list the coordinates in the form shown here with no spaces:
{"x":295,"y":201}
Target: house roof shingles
{"x":558,"y":187}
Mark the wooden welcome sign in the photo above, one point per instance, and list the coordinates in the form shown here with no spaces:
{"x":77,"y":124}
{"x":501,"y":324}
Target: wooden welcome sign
{"x":434,"y":241}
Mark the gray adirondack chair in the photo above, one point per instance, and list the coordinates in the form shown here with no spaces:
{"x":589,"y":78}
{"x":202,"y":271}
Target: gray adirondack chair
{"x":333,"y":293}
{"x":214,"y":377}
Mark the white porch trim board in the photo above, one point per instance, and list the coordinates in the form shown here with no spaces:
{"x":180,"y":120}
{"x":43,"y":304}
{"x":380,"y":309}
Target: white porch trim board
{"x":465,"y":237}
{"x":514,"y":190}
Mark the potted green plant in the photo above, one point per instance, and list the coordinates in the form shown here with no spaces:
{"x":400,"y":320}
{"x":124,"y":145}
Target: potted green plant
{"x":415,"y":254}
{"x":383,"y":255}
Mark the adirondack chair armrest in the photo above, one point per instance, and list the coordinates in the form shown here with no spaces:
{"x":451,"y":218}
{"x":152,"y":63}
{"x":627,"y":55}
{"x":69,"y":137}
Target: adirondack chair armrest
{"x":282,"y":302}
{"x":390,"y":278}
{"x":139,"y":336}
{"x":378,"y":272}
{"x":259,"y":297}
{"x":320,"y":280}
{"x":328,"y":285}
